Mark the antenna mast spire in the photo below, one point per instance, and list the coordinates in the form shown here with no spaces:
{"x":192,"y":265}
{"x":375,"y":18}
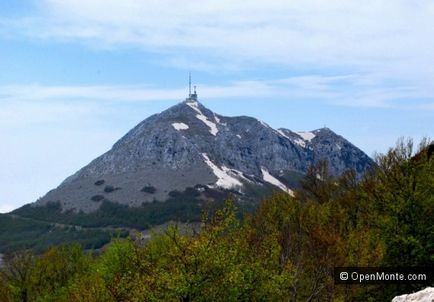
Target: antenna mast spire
{"x":191,"y":96}
{"x":189,"y":84}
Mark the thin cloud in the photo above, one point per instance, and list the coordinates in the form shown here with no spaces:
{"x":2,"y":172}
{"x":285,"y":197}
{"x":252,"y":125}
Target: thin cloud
{"x":332,"y":33}
{"x":355,"y":90}
{"x":108,"y":93}
{"x":390,"y":41}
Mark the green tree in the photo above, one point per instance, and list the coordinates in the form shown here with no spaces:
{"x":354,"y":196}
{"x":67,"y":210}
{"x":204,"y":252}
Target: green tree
{"x":16,"y":275}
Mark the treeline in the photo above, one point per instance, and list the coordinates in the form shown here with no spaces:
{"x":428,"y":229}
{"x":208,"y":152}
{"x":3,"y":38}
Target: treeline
{"x":18,"y":233}
{"x":285,"y":251}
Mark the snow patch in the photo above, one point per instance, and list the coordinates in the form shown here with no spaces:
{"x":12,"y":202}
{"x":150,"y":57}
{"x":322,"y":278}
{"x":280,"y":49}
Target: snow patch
{"x":307,"y":136}
{"x":225,"y":180}
{"x":212,"y":126}
{"x":239,"y":136}
{"x":300,"y":142}
{"x":297,"y":141}
{"x":282,"y":133}
{"x":264,"y":124}
{"x":180,"y":126}
{"x":194,"y":105}
{"x":274,"y":181}
{"x":237,"y":173}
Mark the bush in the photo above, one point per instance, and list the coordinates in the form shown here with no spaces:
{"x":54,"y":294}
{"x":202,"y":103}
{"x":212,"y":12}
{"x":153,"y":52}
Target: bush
{"x":174,"y":194}
{"x":149,"y":189}
{"x":97,"y":198}
{"x":109,"y":189}
{"x":99,"y":182}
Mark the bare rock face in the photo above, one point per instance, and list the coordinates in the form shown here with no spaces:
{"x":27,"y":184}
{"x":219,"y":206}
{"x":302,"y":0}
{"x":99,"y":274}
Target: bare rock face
{"x":189,"y":146}
{"x":426,"y":295}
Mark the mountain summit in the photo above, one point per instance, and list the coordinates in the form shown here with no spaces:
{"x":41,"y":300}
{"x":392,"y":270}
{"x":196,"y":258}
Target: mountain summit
{"x":190,"y":148}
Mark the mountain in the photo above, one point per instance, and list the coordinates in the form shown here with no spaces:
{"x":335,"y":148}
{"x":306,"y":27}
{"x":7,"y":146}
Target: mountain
{"x":171,"y":167}
{"x":190,"y":147}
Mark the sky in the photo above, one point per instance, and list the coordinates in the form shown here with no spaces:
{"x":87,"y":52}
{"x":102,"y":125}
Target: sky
{"x":76,"y":75}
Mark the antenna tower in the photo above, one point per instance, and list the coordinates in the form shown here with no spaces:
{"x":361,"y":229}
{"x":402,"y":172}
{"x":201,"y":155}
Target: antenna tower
{"x":189,"y":84}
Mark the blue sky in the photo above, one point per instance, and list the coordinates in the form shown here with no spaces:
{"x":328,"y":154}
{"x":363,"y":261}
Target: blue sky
{"x":76,"y":75}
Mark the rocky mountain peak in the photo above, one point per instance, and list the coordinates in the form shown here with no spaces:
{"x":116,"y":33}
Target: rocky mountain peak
{"x":189,"y":146}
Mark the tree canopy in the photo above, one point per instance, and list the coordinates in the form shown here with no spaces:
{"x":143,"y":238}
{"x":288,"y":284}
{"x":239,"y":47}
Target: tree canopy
{"x":285,"y":251}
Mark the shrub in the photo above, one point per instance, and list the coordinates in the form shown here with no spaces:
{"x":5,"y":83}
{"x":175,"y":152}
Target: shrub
{"x":109,"y":189}
{"x":174,"y":193}
{"x":97,"y":198}
{"x":99,"y":182}
{"x":149,"y":189}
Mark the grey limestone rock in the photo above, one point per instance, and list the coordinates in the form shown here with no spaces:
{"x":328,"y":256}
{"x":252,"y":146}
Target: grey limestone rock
{"x":188,"y":146}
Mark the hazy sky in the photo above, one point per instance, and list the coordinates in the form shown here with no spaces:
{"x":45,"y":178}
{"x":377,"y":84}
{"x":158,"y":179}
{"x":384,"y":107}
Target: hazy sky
{"x":77,"y":74}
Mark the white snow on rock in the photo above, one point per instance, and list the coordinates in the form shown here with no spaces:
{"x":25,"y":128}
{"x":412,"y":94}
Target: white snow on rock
{"x":212,"y":126}
{"x":297,"y":141}
{"x":225,"y":180}
{"x":239,"y":136}
{"x":180,"y":126}
{"x":237,"y":173}
{"x":307,"y":136}
{"x":300,"y":142}
{"x":426,"y":295}
{"x":194,"y":105}
{"x":274,"y":181}
{"x":282,"y":133}
{"x":264,"y":124}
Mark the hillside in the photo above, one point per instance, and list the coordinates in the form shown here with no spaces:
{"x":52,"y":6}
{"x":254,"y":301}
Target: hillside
{"x":175,"y":164}
{"x":285,"y":251}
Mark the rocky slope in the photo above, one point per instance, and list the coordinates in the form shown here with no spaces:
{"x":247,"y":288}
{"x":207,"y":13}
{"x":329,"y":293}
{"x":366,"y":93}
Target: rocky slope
{"x":189,"y":146}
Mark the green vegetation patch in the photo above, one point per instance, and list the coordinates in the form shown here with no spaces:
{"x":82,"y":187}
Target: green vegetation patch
{"x":22,"y":233}
{"x":284,"y":251}
{"x":183,"y":206}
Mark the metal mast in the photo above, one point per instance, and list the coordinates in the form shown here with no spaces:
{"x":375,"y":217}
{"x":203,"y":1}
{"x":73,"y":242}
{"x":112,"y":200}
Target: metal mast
{"x":189,"y":84}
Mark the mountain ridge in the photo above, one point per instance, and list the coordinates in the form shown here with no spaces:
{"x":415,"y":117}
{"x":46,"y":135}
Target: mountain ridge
{"x":190,"y":146}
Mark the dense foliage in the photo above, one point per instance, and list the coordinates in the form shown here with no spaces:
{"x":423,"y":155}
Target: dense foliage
{"x":182,"y":208}
{"x":285,"y":251}
{"x":23,"y":233}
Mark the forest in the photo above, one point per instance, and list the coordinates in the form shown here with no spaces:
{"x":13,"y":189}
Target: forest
{"x":284,"y":251}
